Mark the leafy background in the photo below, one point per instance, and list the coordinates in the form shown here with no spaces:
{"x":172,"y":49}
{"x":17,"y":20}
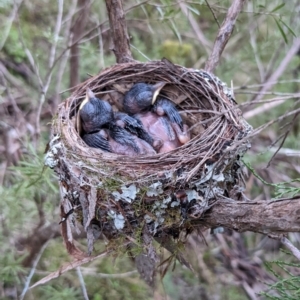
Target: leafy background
{"x":34,"y":80}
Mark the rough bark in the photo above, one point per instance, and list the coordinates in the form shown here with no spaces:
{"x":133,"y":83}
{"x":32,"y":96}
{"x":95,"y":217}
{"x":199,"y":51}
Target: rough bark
{"x":266,"y":217}
{"x":119,"y":32}
{"x":224,"y":34}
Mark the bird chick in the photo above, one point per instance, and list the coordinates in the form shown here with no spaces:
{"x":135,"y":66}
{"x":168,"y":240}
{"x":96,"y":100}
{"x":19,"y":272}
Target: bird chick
{"x":158,"y":115}
{"x":102,"y":131}
{"x":160,"y":129}
{"x":141,"y":97}
{"x":93,"y":113}
{"x":135,"y":126}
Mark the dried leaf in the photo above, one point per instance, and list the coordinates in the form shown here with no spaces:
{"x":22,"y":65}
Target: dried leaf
{"x":146,"y":268}
{"x":92,"y":206}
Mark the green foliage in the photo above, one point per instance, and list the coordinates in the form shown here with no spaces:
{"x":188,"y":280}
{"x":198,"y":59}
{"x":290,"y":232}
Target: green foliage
{"x":287,"y":286}
{"x":281,"y":189}
{"x":13,"y":46}
{"x":177,"y":52}
{"x":60,"y":292}
{"x":11,"y":267}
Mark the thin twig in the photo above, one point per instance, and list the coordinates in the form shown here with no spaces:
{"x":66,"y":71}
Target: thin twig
{"x":243,"y":87}
{"x":202,"y":39}
{"x":68,"y":38}
{"x":281,"y":68}
{"x":213,"y":13}
{"x":106,"y":275}
{"x":101,"y":48}
{"x":295,"y":251}
{"x":265,"y":107}
{"x":83,"y":287}
{"x":144,"y":55}
{"x":254,"y":46}
{"x":50,"y":64}
{"x":8,"y":23}
{"x":32,"y":271}
{"x":224,"y":34}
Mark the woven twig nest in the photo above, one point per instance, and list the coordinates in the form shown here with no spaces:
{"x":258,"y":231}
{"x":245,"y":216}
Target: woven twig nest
{"x":122,"y":197}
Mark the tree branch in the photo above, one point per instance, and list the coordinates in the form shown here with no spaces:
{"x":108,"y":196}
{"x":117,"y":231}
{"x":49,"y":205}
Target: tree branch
{"x":118,"y":28}
{"x":280,"y":70}
{"x":266,"y":217}
{"x":77,"y":30}
{"x":224,"y":34}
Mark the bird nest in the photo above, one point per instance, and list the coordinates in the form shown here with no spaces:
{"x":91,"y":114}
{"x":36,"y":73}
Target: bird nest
{"x":137,"y":198}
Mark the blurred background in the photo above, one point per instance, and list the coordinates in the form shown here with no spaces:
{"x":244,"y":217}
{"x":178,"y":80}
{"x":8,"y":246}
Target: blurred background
{"x":48,"y":47}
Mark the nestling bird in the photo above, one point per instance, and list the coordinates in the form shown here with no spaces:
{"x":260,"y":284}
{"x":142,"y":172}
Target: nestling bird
{"x":141,"y":97}
{"x":93,"y":114}
{"x":158,"y":115}
{"x":136,"y":127}
{"x":96,"y":118}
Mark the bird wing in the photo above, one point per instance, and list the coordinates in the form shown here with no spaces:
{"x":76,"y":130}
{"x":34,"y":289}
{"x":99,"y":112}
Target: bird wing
{"x":123,"y":137}
{"x":170,"y":110}
{"x":130,"y":123}
{"x":96,"y":140}
{"x":168,"y":127}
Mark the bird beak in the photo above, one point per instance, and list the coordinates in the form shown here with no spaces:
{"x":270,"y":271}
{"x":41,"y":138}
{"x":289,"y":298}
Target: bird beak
{"x":89,"y":95}
{"x":157,"y":87}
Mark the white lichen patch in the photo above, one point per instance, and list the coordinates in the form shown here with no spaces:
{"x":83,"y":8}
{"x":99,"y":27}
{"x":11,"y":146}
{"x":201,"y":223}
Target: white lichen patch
{"x":148,"y":219}
{"x":159,"y":209}
{"x":213,"y":192}
{"x":210,"y":175}
{"x":192,"y":195}
{"x":128,"y":193}
{"x":175,"y":203}
{"x":50,"y":158}
{"x":155,"y":189}
{"x":119,"y":220}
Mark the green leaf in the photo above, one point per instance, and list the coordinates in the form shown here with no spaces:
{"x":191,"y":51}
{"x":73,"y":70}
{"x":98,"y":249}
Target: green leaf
{"x":288,"y":27}
{"x":170,"y":13}
{"x":161,"y":12}
{"x":278,"y":7}
{"x":281,"y":31}
{"x":175,"y":30}
{"x":194,"y":10}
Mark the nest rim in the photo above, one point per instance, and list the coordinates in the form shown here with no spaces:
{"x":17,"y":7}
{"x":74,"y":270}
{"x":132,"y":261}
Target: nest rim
{"x":222,"y":123}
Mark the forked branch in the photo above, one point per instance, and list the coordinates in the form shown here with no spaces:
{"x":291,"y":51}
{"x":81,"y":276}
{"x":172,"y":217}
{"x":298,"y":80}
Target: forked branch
{"x":224,"y":34}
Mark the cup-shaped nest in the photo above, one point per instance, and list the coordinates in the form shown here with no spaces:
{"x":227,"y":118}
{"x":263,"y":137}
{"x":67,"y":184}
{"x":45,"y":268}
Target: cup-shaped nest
{"x":122,"y":196}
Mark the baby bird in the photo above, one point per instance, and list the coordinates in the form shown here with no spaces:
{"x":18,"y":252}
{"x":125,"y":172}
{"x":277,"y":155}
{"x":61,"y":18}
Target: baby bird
{"x":100,"y":129}
{"x":158,"y":115}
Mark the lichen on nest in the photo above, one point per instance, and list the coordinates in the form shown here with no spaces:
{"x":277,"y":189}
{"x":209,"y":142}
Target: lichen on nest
{"x":159,"y":195}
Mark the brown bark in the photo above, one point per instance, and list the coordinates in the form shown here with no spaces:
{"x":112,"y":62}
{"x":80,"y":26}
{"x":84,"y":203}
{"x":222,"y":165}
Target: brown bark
{"x":119,"y":32}
{"x":77,"y":31}
{"x":224,"y":34}
{"x":266,"y":217}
